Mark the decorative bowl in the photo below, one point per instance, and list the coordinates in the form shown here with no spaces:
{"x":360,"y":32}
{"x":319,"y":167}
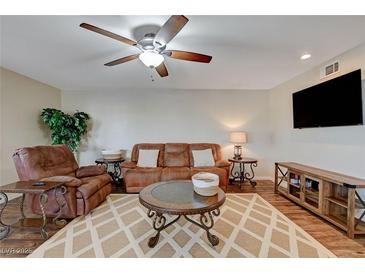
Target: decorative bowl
{"x":111,"y":154}
{"x":205,"y":184}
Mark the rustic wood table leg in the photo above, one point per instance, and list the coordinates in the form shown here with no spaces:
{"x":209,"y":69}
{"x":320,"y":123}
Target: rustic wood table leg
{"x":276,"y":179}
{"x":362,"y":202}
{"x":351,"y":213}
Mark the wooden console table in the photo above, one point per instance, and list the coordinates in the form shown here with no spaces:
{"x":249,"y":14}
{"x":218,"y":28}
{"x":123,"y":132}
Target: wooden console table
{"x":331,"y":195}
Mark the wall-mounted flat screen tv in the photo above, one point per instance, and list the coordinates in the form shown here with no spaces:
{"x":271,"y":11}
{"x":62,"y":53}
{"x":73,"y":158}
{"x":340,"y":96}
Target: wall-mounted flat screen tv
{"x":337,"y":102}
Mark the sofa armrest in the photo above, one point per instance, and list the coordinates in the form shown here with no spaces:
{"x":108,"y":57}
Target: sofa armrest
{"x":88,"y":171}
{"x":68,"y":181}
{"x":222,"y":163}
{"x":128,"y":164}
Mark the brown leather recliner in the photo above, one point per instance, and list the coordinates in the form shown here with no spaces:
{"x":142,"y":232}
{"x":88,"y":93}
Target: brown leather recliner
{"x":175,"y":162}
{"x":86,"y":186}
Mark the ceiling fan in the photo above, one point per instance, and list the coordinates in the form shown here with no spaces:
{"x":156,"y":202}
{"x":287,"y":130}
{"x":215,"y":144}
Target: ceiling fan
{"x":153,"y":46}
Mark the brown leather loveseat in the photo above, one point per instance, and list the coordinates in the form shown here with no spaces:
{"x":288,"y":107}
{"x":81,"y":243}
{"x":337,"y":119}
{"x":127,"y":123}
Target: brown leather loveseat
{"x":87,"y":187}
{"x":175,"y":162}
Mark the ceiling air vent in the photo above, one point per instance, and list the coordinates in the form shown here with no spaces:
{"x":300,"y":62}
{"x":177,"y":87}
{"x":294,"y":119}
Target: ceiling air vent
{"x":330,"y":69}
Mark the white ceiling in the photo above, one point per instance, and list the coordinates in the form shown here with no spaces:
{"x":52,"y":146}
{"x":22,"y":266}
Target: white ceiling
{"x":249,"y":52}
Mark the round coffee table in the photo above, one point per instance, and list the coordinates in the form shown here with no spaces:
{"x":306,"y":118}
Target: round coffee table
{"x":178,"y":198}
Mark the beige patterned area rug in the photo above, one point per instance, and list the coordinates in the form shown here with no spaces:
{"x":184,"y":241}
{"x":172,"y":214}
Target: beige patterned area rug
{"x":248,"y":226}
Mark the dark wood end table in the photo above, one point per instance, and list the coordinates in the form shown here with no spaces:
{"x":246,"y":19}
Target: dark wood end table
{"x":241,"y":176}
{"x":178,"y":198}
{"x":116,"y":171}
{"x":31,"y":187}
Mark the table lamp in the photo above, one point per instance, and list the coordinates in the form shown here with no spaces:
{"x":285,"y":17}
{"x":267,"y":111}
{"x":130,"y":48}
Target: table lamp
{"x":238,"y":138}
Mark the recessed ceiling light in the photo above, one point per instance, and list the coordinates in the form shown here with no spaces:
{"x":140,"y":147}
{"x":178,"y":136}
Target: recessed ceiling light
{"x":305,"y":56}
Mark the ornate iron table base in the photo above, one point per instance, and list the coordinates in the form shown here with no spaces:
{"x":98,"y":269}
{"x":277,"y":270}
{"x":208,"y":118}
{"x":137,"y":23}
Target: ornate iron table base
{"x":43,"y":198}
{"x":241,"y":176}
{"x":206,"y":223}
{"x":60,"y":192}
{"x":115,"y":170}
{"x":4,"y":229}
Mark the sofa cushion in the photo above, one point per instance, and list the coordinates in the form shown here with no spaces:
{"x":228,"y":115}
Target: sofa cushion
{"x":176,"y":155}
{"x":33,"y":163}
{"x":137,"y":147}
{"x":175,"y":173}
{"x":67,"y":180}
{"x":92,"y":170}
{"x":141,"y":177}
{"x":222,"y":163}
{"x":147,"y":158}
{"x":203,"y":158}
{"x":90,"y":185}
{"x":128,"y":164}
{"x":216,"y":150}
{"x":84,"y":206}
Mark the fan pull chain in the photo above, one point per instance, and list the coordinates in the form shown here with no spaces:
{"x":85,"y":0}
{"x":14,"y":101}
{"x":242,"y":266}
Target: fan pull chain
{"x":151,"y":74}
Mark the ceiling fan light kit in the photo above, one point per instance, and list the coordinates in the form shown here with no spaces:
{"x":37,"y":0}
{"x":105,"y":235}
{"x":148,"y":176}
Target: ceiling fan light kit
{"x":151,"y":58}
{"x":153,"y":46}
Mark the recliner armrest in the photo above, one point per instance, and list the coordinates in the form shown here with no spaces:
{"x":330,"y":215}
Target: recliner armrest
{"x":128,"y":164}
{"x":222,"y":163}
{"x":89,"y":171}
{"x":68,"y":181}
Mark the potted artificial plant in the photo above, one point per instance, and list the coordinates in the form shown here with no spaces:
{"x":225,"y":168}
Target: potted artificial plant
{"x":65,"y":128}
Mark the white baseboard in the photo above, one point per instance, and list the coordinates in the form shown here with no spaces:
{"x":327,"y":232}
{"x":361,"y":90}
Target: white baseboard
{"x":267,"y":178}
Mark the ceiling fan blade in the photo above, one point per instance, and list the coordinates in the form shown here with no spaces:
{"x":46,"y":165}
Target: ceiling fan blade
{"x":122,"y":60}
{"x":188,"y":56}
{"x":108,"y":34}
{"x":170,"y":29}
{"x":162,"y":70}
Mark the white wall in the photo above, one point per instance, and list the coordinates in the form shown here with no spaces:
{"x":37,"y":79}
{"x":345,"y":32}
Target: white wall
{"x":124,"y":117}
{"x":121,"y":118}
{"x":340,"y":149}
{"x":22,"y":100}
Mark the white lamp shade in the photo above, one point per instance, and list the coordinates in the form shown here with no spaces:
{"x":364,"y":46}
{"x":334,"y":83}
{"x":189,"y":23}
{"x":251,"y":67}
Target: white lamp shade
{"x":151,"y":58}
{"x":238,"y":137}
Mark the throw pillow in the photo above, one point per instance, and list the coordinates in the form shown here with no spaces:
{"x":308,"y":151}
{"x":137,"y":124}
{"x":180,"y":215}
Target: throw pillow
{"x":203,"y":157}
{"x":147,"y":157}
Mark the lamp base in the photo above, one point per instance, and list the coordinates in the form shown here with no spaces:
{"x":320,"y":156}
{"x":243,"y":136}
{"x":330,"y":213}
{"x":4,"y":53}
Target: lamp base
{"x":237,"y":157}
{"x":237,"y":152}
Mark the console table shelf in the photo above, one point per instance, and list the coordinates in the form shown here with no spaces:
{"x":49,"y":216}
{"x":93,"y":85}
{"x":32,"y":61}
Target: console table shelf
{"x":331,"y":195}
{"x":294,"y":185}
{"x":338,"y":201}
